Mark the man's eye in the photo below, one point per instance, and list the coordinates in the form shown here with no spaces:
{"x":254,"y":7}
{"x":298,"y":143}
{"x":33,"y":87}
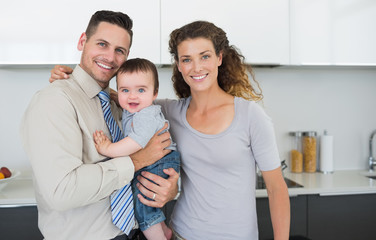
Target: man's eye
{"x":101,"y":44}
{"x":120,"y":51}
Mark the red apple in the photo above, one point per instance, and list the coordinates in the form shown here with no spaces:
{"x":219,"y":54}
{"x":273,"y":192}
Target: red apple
{"x":6,"y":172}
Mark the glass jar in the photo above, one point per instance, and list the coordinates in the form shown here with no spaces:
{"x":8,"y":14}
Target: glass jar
{"x":309,"y":151}
{"x":296,"y":156}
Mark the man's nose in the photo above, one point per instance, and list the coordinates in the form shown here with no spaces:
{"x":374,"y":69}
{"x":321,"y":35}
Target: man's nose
{"x":109,"y":55}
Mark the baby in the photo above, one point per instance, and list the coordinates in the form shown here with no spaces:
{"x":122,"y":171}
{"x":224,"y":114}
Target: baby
{"x":137,"y":84}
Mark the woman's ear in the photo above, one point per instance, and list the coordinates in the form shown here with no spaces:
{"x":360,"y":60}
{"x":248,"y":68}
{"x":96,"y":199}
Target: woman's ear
{"x":81,"y":42}
{"x":220,"y":58}
{"x":177,"y":65}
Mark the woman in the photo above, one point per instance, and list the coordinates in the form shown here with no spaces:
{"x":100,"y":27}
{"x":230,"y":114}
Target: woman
{"x":221,"y":133}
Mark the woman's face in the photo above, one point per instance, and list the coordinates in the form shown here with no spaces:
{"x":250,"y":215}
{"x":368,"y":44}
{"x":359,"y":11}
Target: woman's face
{"x":198,"y":63}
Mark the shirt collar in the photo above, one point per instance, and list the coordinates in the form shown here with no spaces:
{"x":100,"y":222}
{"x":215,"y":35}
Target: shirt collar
{"x":87,"y":83}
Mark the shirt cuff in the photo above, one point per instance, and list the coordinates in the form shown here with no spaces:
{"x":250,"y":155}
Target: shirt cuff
{"x":125,"y":168}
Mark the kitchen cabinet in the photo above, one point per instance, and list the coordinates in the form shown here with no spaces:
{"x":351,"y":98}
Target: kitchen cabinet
{"x":298,"y":226}
{"x":341,"y":217}
{"x":333,"y":32}
{"x":344,"y":217}
{"x":40,"y":33}
{"x":19,"y":223}
{"x":260,"y":29}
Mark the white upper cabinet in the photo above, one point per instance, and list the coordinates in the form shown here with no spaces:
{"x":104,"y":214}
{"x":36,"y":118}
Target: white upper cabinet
{"x":333,"y":32}
{"x":39,"y":32}
{"x":259,"y":28}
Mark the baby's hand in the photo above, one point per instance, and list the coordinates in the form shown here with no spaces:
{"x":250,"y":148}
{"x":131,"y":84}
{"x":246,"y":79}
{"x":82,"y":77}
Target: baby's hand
{"x":101,"y":142}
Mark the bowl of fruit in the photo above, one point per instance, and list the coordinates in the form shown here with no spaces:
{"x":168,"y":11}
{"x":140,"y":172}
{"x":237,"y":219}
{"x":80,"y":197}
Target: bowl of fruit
{"x":7,"y":175}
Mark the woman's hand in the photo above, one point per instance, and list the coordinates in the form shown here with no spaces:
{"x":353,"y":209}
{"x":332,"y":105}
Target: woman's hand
{"x":60,"y":72}
{"x":165,"y":190}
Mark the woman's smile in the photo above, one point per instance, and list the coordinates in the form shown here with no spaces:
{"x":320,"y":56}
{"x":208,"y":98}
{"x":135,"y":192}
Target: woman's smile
{"x":199,"y":78}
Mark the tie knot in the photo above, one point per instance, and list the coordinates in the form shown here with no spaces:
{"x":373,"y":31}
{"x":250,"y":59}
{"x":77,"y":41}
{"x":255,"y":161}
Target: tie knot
{"x":103,"y":95}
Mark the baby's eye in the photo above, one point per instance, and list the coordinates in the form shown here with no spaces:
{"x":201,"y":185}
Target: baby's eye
{"x":141,"y":90}
{"x":125,"y":90}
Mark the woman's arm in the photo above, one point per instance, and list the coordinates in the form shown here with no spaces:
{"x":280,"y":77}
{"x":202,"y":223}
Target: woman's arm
{"x":279,"y":203}
{"x":60,"y":72}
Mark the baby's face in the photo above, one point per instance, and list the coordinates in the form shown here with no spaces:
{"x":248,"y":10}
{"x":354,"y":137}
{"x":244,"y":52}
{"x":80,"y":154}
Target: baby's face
{"x":135,"y":90}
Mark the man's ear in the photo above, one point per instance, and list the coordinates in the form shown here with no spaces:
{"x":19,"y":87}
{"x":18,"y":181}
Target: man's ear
{"x":81,"y":42}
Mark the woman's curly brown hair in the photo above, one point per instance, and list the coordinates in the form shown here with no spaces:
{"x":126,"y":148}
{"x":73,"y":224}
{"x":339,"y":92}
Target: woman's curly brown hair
{"x":232,"y":74}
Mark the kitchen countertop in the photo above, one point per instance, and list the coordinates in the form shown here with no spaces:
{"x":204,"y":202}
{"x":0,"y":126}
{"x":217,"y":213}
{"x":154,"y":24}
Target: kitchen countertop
{"x":19,"y":191}
{"x":345,"y":182}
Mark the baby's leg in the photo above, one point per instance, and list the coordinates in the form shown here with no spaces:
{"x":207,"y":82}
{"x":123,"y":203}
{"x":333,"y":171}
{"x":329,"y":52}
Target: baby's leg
{"x":155,"y":232}
{"x":167,"y":231}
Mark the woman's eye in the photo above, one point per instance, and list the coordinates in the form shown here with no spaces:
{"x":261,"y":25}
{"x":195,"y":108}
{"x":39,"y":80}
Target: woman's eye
{"x":185,"y":60}
{"x":205,"y":56}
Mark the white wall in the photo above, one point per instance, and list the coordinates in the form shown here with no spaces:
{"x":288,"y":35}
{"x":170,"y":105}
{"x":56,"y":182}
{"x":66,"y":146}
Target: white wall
{"x":341,"y":100}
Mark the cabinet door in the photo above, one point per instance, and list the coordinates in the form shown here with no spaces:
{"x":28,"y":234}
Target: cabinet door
{"x":298,"y":226}
{"x":39,"y":32}
{"x":19,"y":223}
{"x":342,"y":217}
{"x":333,"y":32}
{"x":260,"y":29}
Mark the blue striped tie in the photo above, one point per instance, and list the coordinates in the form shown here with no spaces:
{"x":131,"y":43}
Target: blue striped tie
{"x":122,"y":199}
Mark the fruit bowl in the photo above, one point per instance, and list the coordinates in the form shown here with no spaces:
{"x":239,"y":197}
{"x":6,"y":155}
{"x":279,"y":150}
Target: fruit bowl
{"x":5,"y":181}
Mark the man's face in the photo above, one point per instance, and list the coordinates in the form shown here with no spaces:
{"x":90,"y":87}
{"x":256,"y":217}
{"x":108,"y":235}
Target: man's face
{"x":104,"y":52}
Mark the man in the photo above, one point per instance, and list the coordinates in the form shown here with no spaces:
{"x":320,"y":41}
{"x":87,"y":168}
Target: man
{"x":72,"y":181}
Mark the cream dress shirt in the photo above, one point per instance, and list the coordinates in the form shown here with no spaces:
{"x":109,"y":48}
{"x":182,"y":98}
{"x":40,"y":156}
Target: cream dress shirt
{"x":72,"y":182}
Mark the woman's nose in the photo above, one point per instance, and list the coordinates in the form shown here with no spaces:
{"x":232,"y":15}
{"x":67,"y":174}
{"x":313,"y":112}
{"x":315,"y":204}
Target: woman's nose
{"x":197,"y":66}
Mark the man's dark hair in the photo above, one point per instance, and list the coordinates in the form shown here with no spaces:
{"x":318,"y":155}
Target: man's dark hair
{"x":118,"y":18}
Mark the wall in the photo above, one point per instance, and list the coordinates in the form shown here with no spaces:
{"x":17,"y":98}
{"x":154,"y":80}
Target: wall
{"x":341,"y":100}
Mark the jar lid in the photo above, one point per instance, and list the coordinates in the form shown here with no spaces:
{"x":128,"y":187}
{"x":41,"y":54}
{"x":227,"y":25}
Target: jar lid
{"x":296,"y":134}
{"x":310,"y":134}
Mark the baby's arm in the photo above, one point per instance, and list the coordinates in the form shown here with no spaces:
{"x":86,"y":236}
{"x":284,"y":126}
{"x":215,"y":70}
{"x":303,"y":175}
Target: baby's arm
{"x":124,"y":147}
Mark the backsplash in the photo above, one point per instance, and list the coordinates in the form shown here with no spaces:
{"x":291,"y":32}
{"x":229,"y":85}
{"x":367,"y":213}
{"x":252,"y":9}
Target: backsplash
{"x":340,"y":100}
